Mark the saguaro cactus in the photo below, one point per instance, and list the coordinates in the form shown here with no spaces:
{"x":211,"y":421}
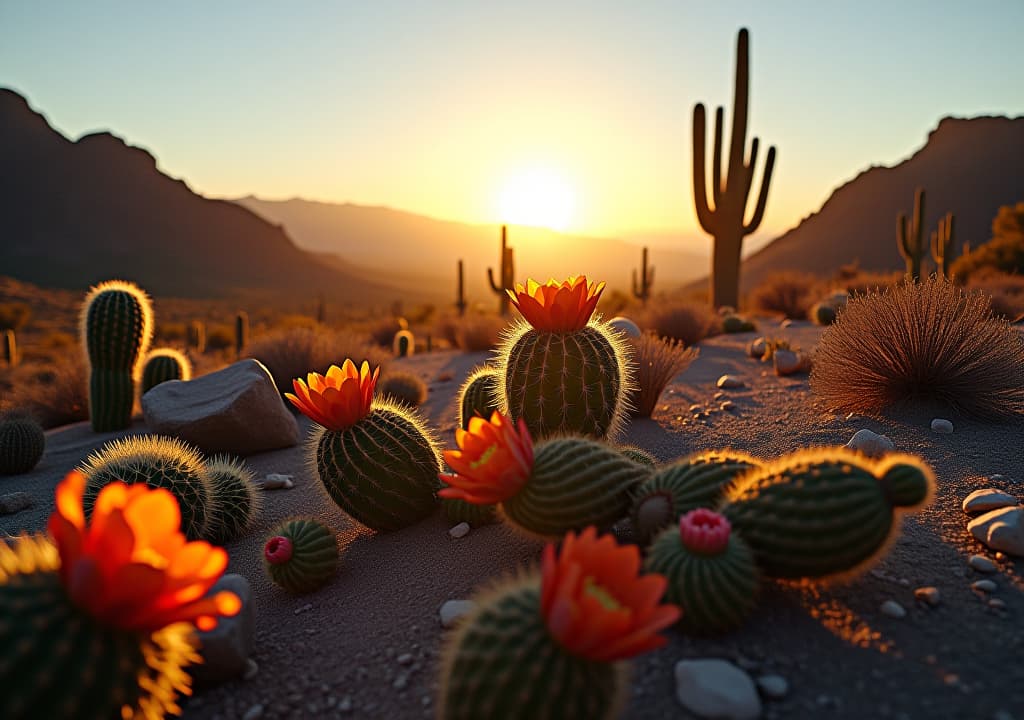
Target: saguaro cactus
{"x":726,"y":221}
{"x":508,"y":274}
{"x":11,"y":348}
{"x":197,"y":336}
{"x":909,"y":237}
{"x":942,"y":243}
{"x":241,"y":332}
{"x":460,"y":295}
{"x":642,"y":290}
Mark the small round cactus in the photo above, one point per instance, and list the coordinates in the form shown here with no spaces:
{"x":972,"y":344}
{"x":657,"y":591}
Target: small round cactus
{"x":404,"y":388}
{"x":823,"y":313}
{"x":404,"y":343}
{"x":301,"y":555}
{"x":736,"y":324}
{"x":235,"y":501}
{"x":22,"y":442}
{"x":164,"y":364}
{"x":478,"y":396}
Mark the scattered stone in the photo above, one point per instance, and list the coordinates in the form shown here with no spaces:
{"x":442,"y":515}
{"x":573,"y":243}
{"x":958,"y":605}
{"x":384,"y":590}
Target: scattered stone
{"x":729,"y":382}
{"x":276,"y":481}
{"x":400,"y":682}
{"x":226,"y":648}
{"x":459,"y":531}
{"x":215,"y":412}
{"x":625,"y":326}
{"x":14,"y":502}
{"x":787,"y":362}
{"x":982,"y":564}
{"x":453,"y":610}
{"x":728,"y":405}
{"x":997,"y":478}
{"x":696,"y":408}
{"x":1001,"y":529}
{"x":405,"y":659}
{"x":928,"y":595}
{"x":987,"y":499}
{"x":773,"y":687}
{"x":251,"y":668}
{"x":985,"y":586}
{"x":716,"y":688}
{"x":893,"y":609}
{"x":786,"y":323}
{"x":757,"y":347}
{"x":305,"y":608}
{"x":942,"y":426}
{"x":870,"y":443}
{"x":718,"y":395}
{"x":997,"y":604}
{"x":253,"y":713}
{"x":345,"y":705}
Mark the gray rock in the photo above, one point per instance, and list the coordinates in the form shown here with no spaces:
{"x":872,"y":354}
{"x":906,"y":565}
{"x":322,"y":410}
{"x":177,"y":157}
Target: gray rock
{"x":773,"y":687}
{"x":893,"y":609}
{"x":1001,"y":529}
{"x":729,"y":382}
{"x":237,"y":410}
{"x":14,"y":502}
{"x":942,"y":426}
{"x":985,"y":586}
{"x":787,"y":362}
{"x":625,"y":326}
{"x":226,"y":648}
{"x":929,"y":595}
{"x":997,"y":603}
{"x":870,"y":443}
{"x":757,"y":347}
{"x":982,"y":564}
{"x":277,"y":481}
{"x":716,"y":688}
{"x":253,"y":713}
{"x":982,"y":501}
{"x":453,"y":610}
{"x":459,"y":531}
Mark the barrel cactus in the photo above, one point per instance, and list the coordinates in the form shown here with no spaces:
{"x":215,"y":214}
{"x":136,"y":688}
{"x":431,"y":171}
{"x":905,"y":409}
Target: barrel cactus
{"x":234,"y":500}
{"x":479,"y":395}
{"x":404,"y":343}
{"x":22,"y":443}
{"x":404,"y":387}
{"x":301,"y":555}
{"x":164,"y":364}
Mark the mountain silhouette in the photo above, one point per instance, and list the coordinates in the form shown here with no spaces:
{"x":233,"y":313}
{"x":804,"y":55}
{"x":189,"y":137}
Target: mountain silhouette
{"x":968,"y":166}
{"x":77,"y":212}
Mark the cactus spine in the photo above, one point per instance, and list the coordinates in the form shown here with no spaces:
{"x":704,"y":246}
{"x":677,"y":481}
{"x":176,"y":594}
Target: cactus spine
{"x":234,"y":499}
{"x":508,"y":275}
{"x":197,"y":337}
{"x":22,"y":443}
{"x":11,"y":355}
{"x":404,"y":343}
{"x":301,"y":555}
{"x":824,"y":511}
{"x":241,"y":332}
{"x":478,"y":395}
{"x":116,"y":327}
{"x":460,"y":292}
{"x":910,"y":238}
{"x":164,"y":364}
{"x":642,"y":289}
{"x":726,"y":221}
{"x":942,"y":243}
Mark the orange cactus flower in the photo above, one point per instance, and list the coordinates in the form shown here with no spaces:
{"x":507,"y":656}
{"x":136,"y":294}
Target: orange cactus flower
{"x":595,"y":602}
{"x":557,"y":307}
{"x":493,"y":463}
{"x":131,"y":567}
{"x":339,"y":399}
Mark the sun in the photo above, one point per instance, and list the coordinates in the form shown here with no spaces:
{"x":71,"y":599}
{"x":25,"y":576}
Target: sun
{"x":539,"y":197}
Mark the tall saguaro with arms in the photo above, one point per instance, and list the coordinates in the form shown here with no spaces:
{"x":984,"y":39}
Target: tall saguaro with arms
{"x":725,"y":221}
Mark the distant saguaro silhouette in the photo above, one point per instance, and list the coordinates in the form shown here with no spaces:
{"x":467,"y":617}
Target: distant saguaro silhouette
{"x":910,"y":237}
{"x":642,"y":285}
{"x":460,"y":293}
{"x":508,"y":275}
{"x":942,"y":244}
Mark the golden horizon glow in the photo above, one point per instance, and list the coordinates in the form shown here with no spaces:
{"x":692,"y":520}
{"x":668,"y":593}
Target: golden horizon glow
{"x":538,"y":197}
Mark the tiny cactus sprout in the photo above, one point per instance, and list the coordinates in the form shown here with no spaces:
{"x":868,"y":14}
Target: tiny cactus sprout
{"x":235,"y":501}
{"x":376,"y":459}
{"x":404,"y":343}
{"x":404,"y":388}
{"x":478,"y":396}
{"x":579,"y":620}
{"x":824,"y":511}
{"x":301,"y":555}
{"x":164,"y":364}
{"x":710,"y":571}
{"x":563,"y":484}
{"x":118,"y":596}
{"x":563,"y":372}
{"x":22,"y":442}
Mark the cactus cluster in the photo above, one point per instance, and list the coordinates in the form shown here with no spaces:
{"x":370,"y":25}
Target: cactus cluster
{"x":301,"y":555}
{"x":234,"y":499}
{"x":164,"y":364}
{"x":22,"y":443}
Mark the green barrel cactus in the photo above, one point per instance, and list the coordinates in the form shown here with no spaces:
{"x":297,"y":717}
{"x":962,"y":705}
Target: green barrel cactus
{"x":301,"y":555}
{"x":22,"y":443}
{"x":116,"y":327}
{"x":234,"y":500}
{"x":404,"y":387}
{"x":710,"y":570}
{"x":639,"y":455}
{"x":164,"y":364}
{"x":159,"y":462}
{"x":824,"y":511}
{"x":697,"y":481}
{"x":479,"y":395}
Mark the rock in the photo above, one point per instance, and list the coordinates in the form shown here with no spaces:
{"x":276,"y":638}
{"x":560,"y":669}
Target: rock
{"x":459,"y":531}
{"x":251,"y":668}
{"x":237,"y":410}
{"x":729,"y":382}
{"x":893,"y":609}
{"x":226,"y":648}
{"x":785,"y":323}
{"x":728,"y":405}
{"x":982,"y":564}
{"x":997,"y":603}
{"x":982,"y":501}
{"x":757,"y":347}
{"x":453,"y":610}
{"x":405,"y":659}
{"x":625,"y":326}
{"x":788,"y":362}
{"x":276,"y":481}
{"x":253,"y":713}
{"x":773,"y":687}
{"x":985,"y":586}
{"x":929,"y":595}
{"x":870,"y":443}
{"x":942,"y":426}
{"x":715,"y":688}
{"x":1001,"y":529}
{"x":14,"y":502}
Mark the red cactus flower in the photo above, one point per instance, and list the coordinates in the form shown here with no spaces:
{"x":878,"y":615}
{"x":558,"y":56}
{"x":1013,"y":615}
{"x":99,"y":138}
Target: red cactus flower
{"x":704,"y":532}
{"x":278,"y":550}
{"x":557,"y":307}
{"x":339,"y":399}
{"x":493,"y":462}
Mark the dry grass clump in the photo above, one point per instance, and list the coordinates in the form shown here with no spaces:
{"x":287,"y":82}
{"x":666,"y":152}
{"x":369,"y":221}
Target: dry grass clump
{"x":294,"y":352}
{"x":404,"y":387}
{"x":55,"y":394}
{"x":478,"y":333}
{"x":931,"y":341}
{"x":1005,"y":291}
{"x":865,"y":281}
{"x":788,"y":293}
{"x":655,"y":363}
{"x":684,"y":321}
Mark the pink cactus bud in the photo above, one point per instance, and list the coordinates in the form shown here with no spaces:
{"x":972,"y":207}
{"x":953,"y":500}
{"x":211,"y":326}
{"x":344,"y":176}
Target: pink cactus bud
{"x":704,"y":532}
{"x":278,"y":550}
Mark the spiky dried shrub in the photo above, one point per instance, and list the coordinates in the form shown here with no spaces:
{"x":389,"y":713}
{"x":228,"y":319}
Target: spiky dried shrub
{"x":478,"y":333}
{"x":1005,"y":292}
{"x":866,"y":281}
{"x":789,"y":293}
{"x":931,"y":342}
{"x":290,"y":353}
{"x":684,"y":321}
{"x":655,"y":363}
{"x":55,"y":395}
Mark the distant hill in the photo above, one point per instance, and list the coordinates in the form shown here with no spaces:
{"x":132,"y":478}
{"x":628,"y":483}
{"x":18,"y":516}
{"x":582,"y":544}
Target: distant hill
{"x":968,"y":166}
{"x":411,"y":248}
{"x":76,"y":212}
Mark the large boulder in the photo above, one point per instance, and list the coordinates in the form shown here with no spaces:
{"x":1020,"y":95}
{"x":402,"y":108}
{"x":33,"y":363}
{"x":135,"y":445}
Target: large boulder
{"x":226,"y":648}
{"x":236,"y":410}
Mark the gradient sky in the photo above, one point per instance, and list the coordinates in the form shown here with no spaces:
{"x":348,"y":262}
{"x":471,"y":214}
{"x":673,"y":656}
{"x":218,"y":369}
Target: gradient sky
{"x":434,"y":106}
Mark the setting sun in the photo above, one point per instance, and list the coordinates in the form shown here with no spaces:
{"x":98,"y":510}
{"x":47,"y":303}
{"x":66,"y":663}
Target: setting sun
{"x":539,"y":197}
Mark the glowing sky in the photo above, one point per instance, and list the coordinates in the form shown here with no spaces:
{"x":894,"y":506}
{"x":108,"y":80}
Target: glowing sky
{"x":437,"y":107}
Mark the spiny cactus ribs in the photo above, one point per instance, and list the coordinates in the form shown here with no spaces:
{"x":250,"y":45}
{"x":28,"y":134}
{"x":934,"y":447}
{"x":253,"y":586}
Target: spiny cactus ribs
{"x":22,"y":443}
{"x":301,"y":555}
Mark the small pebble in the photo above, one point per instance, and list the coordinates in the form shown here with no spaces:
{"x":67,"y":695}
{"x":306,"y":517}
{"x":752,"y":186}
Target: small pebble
{"x":400,"y":682}
{"x":345,"y":705}
{"x":929,"y":595}
{"x":728,"y":405}
{"x":729,"y":382}
{"x":773,"y":687}
{"x":982,"y":564}
{"x":981,"y":501}
{"x":452,"y":610}
{"x":786,"y":323}
{"x":276,"y":481}
{"x":942,"y":426}
{"x":253,"y":713}
{"x":985,"y":586}
{"x":305,"y":608}
{"x":719,"y":395}
{"x":405,"y":659}
{"x":893,"y":609}
{"x":459,"y":531}
{"x":251,"y":668}
{"x":14,"y":502}
{"x":996,"y":603}
{"x":696,"y":408}
{"x":870,"y":443}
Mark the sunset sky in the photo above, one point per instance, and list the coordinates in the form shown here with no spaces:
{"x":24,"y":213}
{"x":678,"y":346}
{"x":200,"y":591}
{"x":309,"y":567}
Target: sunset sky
{"x":463,"y":110}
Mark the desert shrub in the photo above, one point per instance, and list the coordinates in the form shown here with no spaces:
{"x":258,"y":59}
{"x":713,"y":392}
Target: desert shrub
{"x":866,"y":281}
{"x":684,"y":321}
{"x":655,"y":362}
{"x":445,"y":329}
{"x":790,"y":293}
{"x":613,"y":302}
{"x":931,"y":341}
{"x":286,"y":322}
{"x":1005,"y":292}
{"x":13,"y":315}
{"x":1003,"y":253}
{"x":169,"y":332}
{"x":478,"y":333}
{"x":294,"y":352}
{"x":382,"y":332}
{"x":55,"y":395}
{"x":220,"y":337}
{"x":405,"y":387}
